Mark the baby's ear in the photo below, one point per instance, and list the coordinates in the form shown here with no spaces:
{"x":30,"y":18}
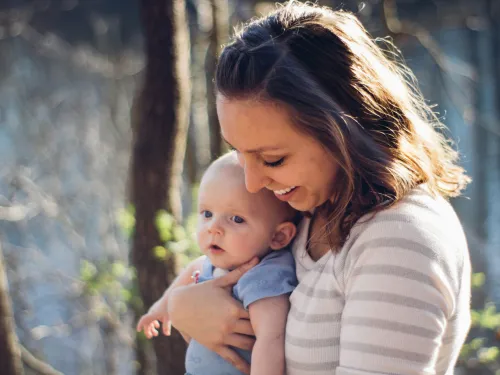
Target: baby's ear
{"x":283,"y":235}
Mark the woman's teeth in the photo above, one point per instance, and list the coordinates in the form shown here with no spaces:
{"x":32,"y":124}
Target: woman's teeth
{"x":284,"y":191}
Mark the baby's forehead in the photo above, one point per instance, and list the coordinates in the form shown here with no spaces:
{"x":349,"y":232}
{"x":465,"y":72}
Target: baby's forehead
{"x":230,"y":181}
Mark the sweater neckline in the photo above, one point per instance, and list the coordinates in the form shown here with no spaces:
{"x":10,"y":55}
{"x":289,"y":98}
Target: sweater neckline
{"x":299,"y":246}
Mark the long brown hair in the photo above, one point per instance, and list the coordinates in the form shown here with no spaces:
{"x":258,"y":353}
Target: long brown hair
{"x":342,"y":89}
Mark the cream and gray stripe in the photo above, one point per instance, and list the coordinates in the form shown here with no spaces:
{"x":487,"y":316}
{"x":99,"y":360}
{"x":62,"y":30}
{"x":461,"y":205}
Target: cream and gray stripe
{"x":395,"y":300}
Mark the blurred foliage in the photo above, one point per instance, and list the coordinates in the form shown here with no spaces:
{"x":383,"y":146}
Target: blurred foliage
{"x":177,"y":240}
{"x":109,"y":280}
{"x":481,"y":353}
{"x":126,"y":220}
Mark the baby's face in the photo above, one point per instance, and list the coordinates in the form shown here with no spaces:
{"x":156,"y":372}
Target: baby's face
{"x":234,"y":225}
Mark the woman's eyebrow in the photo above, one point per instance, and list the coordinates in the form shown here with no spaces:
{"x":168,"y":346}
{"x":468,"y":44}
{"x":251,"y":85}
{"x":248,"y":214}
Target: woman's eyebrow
{"x":255,"y":150}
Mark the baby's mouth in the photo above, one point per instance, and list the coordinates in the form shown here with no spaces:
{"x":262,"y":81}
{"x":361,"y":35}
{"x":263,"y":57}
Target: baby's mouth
{"x":216,"y":248}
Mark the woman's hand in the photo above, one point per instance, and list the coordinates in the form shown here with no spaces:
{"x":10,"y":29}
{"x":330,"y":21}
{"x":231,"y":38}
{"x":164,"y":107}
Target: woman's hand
{"x":209,"y":314}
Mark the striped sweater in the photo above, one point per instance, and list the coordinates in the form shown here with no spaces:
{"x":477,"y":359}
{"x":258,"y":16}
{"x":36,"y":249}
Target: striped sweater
{"x":394,"y":300}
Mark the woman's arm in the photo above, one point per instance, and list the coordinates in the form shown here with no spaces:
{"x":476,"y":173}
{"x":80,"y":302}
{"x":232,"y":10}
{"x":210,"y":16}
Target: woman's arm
{"x":406,"y":311}
{"x":268,"y":317}
{"x":209,"y":314}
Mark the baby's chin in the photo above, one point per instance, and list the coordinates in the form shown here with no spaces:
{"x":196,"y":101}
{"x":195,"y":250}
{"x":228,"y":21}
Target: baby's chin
{"x":217,"y":260}
{"x":224,"y":264}
{"x":217,"y":263}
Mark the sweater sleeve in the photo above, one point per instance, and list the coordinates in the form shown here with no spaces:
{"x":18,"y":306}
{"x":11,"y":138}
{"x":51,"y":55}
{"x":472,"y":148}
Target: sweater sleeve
{"x":401,"y":285}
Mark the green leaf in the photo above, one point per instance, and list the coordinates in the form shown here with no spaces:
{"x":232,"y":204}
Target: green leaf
{"x":164,"y":224}
{"x":126,"y":220}
{"x":87,"y":270}
{"x":478,"y":279}
{"x":488,"y":355}
{"x":465,"y":351}
{"x":475,"y":318}
{"x":179,"y":233}
{"x":183,"y":260}
{"x":477,"y":343}
{"x":118,"y":269}
{"x":164,"y":220}
{"x":178,"y":247}
{"x":160,"y":252}
{"x":126,"y":295}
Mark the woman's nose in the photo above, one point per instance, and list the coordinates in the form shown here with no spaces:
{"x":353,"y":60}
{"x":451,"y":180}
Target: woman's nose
{"x":254,"y":179}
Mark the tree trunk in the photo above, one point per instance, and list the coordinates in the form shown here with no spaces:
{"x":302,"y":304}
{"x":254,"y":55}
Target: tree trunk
{"x":158,"y":150}
{"x":10,"y":355}
{"x":218,"y":36}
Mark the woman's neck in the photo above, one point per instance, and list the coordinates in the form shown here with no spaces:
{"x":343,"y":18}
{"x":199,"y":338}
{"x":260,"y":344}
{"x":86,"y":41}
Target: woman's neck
{"x":317,"y":239}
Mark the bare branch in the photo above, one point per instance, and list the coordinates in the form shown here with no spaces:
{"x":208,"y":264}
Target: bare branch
{"x":37,"y":365}
{"x":15,"y":23}
{"x":83,"y":57}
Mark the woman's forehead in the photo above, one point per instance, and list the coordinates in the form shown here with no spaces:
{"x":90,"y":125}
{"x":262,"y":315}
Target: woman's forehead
{"x":257,"y":126}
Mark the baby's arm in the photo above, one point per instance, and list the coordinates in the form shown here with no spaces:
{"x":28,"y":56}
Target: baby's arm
{"x":149,"y":322}
{"x":268,"y":317}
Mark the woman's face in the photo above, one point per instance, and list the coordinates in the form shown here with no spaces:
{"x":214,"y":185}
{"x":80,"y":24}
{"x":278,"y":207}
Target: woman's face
{"x":275,"y":155}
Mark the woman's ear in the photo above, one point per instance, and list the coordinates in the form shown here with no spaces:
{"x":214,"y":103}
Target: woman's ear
{"x":283,"y":235}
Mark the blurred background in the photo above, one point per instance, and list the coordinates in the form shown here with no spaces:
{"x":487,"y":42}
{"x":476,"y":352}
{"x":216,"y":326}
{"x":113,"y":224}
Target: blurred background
{"x":107,"y":119}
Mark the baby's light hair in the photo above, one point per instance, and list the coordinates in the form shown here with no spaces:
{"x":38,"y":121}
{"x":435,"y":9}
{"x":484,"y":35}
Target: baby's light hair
{"x":230,"y":160}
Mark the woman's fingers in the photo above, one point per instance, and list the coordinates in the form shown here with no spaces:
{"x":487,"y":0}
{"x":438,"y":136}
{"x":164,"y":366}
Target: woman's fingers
{"x":232,"y":277}
{"x":240,"y":341}
{"x":233,"y":358}
{"x":244,"y":327}
{"x":207,"y":313}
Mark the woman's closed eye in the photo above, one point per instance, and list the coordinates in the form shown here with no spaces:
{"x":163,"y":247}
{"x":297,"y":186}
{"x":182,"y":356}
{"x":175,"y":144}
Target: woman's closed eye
{"x":237,"y":219}
{"x":273,"y":164}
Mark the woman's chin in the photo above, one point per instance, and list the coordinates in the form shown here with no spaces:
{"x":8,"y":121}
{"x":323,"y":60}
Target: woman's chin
{"x":308,"y":204}
{"x":301,"y":205}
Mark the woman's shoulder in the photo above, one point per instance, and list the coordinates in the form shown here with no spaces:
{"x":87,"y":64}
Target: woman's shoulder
{"x":421,"y":230}
{"x":419,"y":213}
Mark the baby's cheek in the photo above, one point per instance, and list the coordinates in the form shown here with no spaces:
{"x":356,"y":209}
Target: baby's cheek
{"x":200,"y":234}
{"x":242,"y":242}
{"x":252,"y":243}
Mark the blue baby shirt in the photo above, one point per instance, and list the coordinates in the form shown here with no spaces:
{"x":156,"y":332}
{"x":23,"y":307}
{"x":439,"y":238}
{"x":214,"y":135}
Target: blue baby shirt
{"x":273,"y":276}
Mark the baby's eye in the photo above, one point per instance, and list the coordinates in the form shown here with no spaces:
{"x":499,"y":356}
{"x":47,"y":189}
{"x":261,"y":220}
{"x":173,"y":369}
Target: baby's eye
{"x":238,"y":219}
{"x":206,"y":214}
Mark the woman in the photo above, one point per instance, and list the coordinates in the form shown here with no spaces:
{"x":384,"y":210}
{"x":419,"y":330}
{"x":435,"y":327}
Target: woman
{"x":319,"y":115}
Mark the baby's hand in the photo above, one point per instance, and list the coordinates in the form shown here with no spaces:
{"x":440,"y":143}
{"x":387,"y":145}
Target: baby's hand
{"x":149,"y":322}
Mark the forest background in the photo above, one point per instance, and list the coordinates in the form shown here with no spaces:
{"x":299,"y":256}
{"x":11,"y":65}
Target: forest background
{"x":104,"y":133}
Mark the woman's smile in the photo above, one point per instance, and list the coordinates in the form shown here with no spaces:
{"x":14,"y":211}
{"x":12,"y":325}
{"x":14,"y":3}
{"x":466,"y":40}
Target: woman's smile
{"x":285,"y":194}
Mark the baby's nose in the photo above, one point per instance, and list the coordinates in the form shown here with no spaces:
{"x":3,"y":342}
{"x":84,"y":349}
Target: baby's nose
{"x":215,"y":227}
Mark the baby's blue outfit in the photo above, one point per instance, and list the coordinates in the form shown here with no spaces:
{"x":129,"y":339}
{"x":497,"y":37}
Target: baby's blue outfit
{"x":273,"y":276}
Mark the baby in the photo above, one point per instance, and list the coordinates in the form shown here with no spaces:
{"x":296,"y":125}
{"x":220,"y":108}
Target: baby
{"x":235,"y":226}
